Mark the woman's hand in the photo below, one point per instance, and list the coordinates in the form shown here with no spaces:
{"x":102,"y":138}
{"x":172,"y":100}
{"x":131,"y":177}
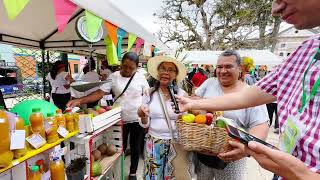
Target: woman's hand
{"x":74,"y":103}
{"x":143,"y":111}
{"x":280,"y":163}
{"x":238,"y":151}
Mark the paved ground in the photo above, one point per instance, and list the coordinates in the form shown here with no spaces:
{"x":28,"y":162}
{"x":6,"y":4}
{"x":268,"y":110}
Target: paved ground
{"x":254,"y":171}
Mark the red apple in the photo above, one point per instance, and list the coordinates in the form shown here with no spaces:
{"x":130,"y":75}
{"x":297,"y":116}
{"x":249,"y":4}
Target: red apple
{"x":107,"y":108}
{"x":101,"y":110}
{"x":209,"y":117}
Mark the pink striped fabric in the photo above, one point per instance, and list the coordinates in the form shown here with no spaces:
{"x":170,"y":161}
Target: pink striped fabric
{"x":286,"y":84}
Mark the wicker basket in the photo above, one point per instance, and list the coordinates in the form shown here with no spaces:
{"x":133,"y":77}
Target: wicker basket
{"x":202,"y":138}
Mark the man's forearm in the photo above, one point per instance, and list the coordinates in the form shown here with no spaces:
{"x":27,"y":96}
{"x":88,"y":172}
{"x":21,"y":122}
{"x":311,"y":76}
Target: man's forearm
{"x":248,"y":97}
{"x":93,"y":97}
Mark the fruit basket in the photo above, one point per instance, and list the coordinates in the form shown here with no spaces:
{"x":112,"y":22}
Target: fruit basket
{"x":202,"y":137}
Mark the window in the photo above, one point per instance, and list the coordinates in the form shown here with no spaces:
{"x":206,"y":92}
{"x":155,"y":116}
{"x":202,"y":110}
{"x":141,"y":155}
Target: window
{"x":281,"y":54}
{"x":296,"y":31}
{"x":288,"y":54}
{"x":76,"y":68}
{"x":283,"y":45}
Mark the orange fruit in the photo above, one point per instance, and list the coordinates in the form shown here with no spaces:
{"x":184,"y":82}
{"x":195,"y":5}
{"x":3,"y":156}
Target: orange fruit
{"x":201,"y":119}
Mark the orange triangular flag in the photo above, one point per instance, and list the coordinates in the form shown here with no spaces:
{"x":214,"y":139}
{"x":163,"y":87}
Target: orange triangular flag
{"x":112,"y":31}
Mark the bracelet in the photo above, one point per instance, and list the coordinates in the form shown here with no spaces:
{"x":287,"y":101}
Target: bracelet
{"x":144,"y":125}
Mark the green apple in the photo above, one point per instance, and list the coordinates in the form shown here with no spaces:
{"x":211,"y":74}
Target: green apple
{"x":188,"y":118}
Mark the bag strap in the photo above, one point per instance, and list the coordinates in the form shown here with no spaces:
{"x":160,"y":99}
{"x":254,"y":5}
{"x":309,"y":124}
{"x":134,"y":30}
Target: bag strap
{"x":165,"y":111}
{"x":125,"y":88}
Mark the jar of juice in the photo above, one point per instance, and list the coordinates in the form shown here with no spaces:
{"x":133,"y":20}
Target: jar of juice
{"x":20,"y":126}
{"x":57,"y":169}
{"x":35,"y":173}
{"x":69,"y":120}
{"x":60,"y":118}
{"x":37,"y":122}
{"x":6,"y":155}
{"x":52,"y":134}
{"x":76,"y":119}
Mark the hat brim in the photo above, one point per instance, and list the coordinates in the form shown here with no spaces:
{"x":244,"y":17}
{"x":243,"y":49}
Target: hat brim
{"x":153,"y":64}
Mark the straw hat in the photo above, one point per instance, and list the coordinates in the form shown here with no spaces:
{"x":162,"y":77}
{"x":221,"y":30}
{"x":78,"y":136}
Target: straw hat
{"x":153,"y":64}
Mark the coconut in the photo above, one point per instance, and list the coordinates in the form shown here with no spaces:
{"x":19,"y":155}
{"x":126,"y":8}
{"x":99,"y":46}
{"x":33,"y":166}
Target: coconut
{"x":111,"y":150}
{"x":96,"y":155}
{"x":103,"y":148}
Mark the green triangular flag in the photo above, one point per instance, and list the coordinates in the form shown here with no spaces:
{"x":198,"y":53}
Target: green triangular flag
{"x":131,"y":39}
{"x":93,"y":24}
{"x":111,"y":52}
{"x":14,"y":7}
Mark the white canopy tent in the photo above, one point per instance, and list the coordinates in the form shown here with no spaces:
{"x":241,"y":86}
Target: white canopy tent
{"x":35,"y":27}
{"x":260,"y":57}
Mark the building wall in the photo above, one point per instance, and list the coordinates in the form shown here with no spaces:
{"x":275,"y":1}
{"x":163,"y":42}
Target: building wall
{"x":27,"y":66}
{"x":289,"y":40}
{"x":73,"y":64}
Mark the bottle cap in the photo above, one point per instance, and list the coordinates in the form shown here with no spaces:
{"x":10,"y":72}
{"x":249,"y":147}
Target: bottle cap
{"x":55,"y":159}
{"x":50,"y":114}
{"x":36,"y":109}
{"x":35,"y":168}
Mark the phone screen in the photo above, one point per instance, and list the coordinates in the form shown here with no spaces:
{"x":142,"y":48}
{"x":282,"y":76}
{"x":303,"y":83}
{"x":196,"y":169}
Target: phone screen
{"x":244,"y":137}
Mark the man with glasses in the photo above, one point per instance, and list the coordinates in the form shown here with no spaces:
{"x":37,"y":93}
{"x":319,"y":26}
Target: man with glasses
{"x":230,"y":165}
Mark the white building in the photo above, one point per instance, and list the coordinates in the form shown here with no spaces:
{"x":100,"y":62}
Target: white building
{"x":290,"y":39}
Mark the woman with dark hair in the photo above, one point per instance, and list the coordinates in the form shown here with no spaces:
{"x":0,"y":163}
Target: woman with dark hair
{"x":60,"y":83}
{"x":159,"y":151}
{"x":129,"y":100}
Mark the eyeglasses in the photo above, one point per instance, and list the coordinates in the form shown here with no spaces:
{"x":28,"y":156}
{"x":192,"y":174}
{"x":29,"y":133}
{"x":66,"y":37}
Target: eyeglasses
{"x":169,"y":70}
{"x":227,"y":67}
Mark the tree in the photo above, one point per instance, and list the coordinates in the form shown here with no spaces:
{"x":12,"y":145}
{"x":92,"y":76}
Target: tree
{"x":218,"y":24}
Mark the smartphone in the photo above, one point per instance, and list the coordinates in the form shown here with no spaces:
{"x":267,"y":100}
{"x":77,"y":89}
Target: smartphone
{"x":244,"y":137}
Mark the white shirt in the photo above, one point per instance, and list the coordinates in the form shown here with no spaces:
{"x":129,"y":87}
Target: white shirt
{"x":131,"y":100}
{"x":245,"y":118}
{"x":158,"y":127}
{"x":58,"y":83}
{"x":90,"y":76}
{"x":105,"y":72}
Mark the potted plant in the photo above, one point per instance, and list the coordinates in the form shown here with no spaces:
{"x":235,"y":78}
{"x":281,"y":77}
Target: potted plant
{"x":76,"y":169}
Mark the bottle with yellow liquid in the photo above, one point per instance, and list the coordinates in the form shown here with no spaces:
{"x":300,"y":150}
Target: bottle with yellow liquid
{"x":69,"y":120}
{"x":37,"y":122}
{"x":35,"y":173}
{"x":19,"y":126}
{"x":57,"y":169}
{"x":52,"y":134}
{"x":6,"y":155}
{"x":61,"y":120}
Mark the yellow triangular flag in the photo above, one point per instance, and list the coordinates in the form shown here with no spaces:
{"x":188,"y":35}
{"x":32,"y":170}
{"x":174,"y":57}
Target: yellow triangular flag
{"x":131,"y":39}
{"x":93,"y":24}
{"x":111,"y":52}
{"x":14,"y":7}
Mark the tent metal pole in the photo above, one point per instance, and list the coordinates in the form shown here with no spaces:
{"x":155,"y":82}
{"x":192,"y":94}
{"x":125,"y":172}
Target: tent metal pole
{"x":43,"y":73}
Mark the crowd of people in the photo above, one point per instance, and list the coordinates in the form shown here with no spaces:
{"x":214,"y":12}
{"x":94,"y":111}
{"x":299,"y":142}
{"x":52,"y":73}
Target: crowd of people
{"x":291,"y":91}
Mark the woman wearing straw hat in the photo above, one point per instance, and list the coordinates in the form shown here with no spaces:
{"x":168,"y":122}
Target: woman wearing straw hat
{"x":158,"y":150}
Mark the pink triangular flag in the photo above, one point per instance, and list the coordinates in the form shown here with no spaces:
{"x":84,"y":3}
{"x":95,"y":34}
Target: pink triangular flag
{"x":63,"y":12}
{"x":139,"y":43}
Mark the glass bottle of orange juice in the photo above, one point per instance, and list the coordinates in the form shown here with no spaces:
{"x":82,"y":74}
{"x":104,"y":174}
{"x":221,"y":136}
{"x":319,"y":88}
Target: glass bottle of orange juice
{"x":20,"y":126}
{"x":6,"y":155}
{"x":69,"y":120}
{"x":61,"y":120}
{"x":57,"y":169}
{"x":52,"y":134}
{"x":37,"y":122}
{"x":35,"y":173}
{"x":76,"y":119}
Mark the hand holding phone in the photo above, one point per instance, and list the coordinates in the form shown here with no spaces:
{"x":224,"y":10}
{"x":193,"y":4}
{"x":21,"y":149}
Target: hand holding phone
{"x":245,"y":137}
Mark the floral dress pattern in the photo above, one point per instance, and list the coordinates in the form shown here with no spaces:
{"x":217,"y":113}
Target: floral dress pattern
{"x":158,"y":157}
